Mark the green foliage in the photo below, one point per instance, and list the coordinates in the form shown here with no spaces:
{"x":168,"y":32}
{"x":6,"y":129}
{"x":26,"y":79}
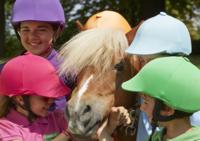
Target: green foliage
{"x":187,"y":11}
{"x":13,"y":46}
{"x":81,"y":10}
{"x":8,"y":7}
{"x":69,"y":31}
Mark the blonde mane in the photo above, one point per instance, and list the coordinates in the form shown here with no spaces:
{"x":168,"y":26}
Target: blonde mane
{"x":94,"y":47}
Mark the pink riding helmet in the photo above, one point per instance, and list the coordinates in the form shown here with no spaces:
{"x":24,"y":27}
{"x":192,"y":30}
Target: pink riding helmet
{"x":31,"y":75}
{"x":38,"y":10}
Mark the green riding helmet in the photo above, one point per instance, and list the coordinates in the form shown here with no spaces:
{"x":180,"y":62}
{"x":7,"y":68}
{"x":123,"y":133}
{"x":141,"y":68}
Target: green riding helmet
{"x":173,"y":80}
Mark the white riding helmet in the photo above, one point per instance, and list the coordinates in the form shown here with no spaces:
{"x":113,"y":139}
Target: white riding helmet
{"x":161,"y":34}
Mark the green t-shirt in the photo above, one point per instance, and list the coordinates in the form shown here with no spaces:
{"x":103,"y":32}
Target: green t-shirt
{"x":192,"y":135}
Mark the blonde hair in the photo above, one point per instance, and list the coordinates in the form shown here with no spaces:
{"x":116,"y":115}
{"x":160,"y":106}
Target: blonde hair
{"x":94,"y":47}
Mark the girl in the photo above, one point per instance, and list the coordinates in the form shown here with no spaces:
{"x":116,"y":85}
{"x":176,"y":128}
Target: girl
{"x":26,"y":92}
{"x":38,"y":24}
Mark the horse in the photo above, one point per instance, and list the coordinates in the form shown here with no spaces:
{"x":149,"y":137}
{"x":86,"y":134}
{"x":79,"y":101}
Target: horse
{"x":97,"y":59}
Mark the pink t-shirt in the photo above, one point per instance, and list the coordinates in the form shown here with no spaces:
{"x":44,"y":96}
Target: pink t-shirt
{"x":16,"y":126}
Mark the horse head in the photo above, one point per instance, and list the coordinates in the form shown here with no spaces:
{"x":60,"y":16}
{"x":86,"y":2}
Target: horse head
{"x":97,"y":59}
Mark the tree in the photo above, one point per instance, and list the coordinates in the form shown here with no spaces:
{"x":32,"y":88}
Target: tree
{"x":186,"y":11}
{"x":150,"y":8}
{"x":133,"y":10}
{"x":2,"y":28}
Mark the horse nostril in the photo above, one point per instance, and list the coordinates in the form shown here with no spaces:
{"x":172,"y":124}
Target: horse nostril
{"x":87,"y":109}
{"x":85,"y":123}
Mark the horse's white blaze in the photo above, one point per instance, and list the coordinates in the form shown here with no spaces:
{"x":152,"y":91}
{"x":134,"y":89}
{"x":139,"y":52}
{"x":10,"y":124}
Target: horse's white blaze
{"x":82,"y":90}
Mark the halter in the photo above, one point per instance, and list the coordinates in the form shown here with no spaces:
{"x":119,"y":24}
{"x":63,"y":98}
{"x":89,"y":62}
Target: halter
{"x":130,"y":130}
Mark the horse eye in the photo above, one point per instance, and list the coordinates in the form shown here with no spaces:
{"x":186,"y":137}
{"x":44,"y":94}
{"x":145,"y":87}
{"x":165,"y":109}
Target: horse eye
{"x":119,"y":66}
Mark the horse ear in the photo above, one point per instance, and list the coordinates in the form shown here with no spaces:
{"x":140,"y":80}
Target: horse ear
{"x":80,"y":26}
{"x":131,"y":34}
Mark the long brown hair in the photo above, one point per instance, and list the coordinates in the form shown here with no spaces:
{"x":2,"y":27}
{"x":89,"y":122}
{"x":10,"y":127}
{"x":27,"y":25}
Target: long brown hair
{"x":5,"y":105}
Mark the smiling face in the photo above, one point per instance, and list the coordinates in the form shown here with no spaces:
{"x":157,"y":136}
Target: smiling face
{"x":36,"y":37}
{"x":40,"y":105}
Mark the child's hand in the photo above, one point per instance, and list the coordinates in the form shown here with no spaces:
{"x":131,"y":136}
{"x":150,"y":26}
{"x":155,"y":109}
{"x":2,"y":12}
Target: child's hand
{"x":118,"y":116}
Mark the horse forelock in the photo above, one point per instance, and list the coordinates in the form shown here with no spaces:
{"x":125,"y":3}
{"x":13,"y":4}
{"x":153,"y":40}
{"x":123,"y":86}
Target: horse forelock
{"x":95,"y":47}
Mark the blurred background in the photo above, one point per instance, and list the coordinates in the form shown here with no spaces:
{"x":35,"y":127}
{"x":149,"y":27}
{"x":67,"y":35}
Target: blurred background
{"x":134,"y":11}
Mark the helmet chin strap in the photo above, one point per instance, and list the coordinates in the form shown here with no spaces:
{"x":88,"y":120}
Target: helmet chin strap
{"x":157,"y":117}
{"x":27,"y":107}
{"x":159,"y":106}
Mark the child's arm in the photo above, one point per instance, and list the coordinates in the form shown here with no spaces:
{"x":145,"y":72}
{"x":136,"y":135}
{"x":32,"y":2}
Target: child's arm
{"x":64,"y":136}
{"x":118,"y":116}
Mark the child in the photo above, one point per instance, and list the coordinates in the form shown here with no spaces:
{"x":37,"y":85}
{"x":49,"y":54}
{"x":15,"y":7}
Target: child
{"x":38,"y":24}
{"x":28,"y":86}
{"x":26,"y":92}
{"x":170,"y":89}
{"x":159,"y":36}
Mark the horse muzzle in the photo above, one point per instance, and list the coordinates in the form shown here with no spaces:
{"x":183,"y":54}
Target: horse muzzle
{"x":82,"y":122}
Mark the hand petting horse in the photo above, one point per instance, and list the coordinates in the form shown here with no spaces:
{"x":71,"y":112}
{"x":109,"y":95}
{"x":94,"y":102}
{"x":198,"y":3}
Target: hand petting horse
{"x":97,"y":58}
